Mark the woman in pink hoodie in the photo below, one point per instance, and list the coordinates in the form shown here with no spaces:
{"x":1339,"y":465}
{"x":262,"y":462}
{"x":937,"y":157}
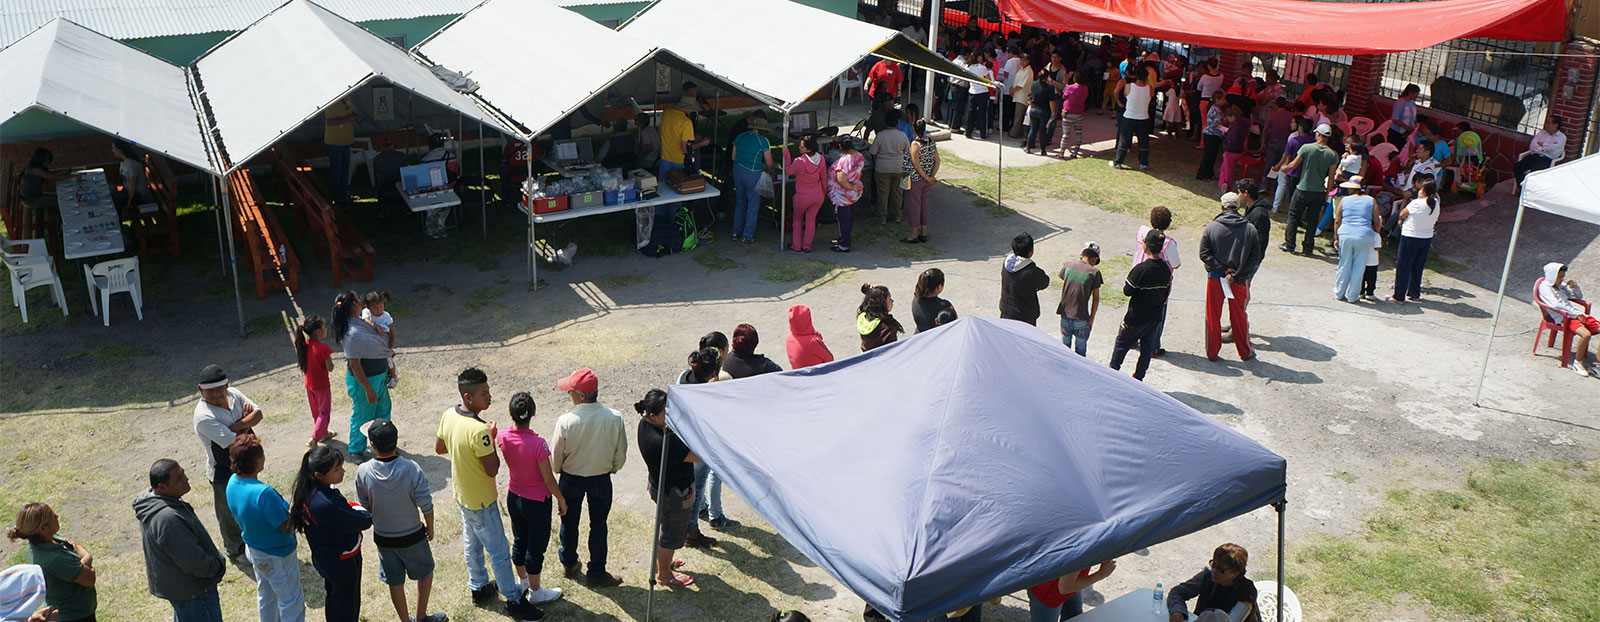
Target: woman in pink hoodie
{"x":804,"y":342}
{"x":810,"y":172}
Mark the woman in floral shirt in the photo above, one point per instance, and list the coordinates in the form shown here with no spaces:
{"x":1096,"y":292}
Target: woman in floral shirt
{"x":844,"y":189}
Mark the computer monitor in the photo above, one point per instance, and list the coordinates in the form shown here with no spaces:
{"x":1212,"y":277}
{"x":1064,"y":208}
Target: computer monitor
{"x":419,"y":177}
{"x":575,"y":149}
{"x":803,"y":121}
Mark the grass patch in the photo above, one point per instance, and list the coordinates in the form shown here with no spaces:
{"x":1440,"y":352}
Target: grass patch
{"x":399,"y":306}
{"x":620,"y":279}
{"x":263,"y":324}
{"x":1502,"y":548}
{"x":112,"y":352}
{"x":913,"y":251}
{"x":713,"y":261}
{"x":1344,"y":476}
{"x":801,"y":271}
{"x":41,"y":313}
{"x":1089,"y":180}
{"x":479,"y":298}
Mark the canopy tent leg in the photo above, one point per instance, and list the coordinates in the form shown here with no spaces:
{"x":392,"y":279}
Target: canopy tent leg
{"x":716,"y":127}
{"x":783,"y":212}
{"x":655,"y":535}
{"x":222,"y":247}
{"x":1279,"y":506}
{"x":233,"y":261}
{"x":533,"y":261}
{"x":483,"y":201}
{"x":935,"y":13}
{"x":830,"y":101}
{"x":1499,"y":301}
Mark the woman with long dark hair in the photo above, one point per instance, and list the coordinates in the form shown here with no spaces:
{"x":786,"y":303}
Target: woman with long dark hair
{"x":366,"y":353}
{"x":924,"y":158}
{"x":31,"y":185}
{"x":333,"y":527}
{"x":135,"y":185}
{"x":1417,"y":219}
{"x":873,"y":321}
{"x":925,"y":309}
{"x":316,"y":361}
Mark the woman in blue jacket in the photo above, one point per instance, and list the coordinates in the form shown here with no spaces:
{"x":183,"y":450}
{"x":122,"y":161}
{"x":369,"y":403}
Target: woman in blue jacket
{"x":333,"y":527}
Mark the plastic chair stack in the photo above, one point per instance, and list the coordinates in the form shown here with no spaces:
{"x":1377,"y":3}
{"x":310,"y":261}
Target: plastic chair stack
{"x":111,"y":277}
{"x":850,"y":79}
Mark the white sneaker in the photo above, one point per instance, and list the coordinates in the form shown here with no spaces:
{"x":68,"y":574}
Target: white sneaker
{"x":1577,"y":368}
{"x":1594,"y":369}
{"x":543,"y":595}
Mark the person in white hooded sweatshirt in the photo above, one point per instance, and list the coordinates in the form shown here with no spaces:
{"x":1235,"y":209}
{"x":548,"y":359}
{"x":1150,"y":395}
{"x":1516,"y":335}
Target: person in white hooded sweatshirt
{"x":1559,"y":293}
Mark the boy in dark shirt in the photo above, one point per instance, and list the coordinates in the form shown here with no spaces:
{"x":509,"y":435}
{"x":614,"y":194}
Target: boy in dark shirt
{"x":1021,"y":280}
{"x":1147,"y":287}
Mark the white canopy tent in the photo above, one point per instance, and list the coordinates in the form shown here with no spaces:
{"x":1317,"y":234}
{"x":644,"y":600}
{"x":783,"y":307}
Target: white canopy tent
{"x":838,"y":43}
{"x":536,"y":96}
{"x":1571,"y":190}
{"x":283,"y":70}
{"x":71,"y":71}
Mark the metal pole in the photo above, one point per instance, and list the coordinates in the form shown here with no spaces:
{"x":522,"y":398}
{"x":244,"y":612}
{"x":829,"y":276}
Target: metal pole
{"x":1280,"y":506}
{"x":1499,"y":301}
{"x":999,"y":137}
{"x":221,"y":246}
{"x":716,"y":127}
{"x":233,"y":261}
{"x":483,"y":202}
{"x":533,"y":262}
{"x":783,"y":212}
{"x":935,"y":16}
{"x":661,"y":491}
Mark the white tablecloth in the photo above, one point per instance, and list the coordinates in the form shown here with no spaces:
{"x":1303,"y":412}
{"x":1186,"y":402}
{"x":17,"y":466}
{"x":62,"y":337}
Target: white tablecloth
{"x":1135,"y":606}
{"x":90,"y":226}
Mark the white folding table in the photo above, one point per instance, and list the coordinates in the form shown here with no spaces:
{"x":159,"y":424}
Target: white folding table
{"x":91,"y":227}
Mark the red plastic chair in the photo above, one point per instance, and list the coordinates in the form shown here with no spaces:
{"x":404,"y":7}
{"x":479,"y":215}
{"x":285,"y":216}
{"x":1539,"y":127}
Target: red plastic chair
{"x":1545,"y":312}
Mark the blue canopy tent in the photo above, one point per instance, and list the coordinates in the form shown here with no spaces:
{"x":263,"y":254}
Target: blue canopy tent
{"x":969,"y":462}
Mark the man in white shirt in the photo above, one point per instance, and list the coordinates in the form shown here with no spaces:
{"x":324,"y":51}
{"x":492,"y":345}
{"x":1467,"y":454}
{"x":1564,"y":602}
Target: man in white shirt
{"x":1548,"y":146}
{"x":223,"y":413}
{"x":590,"y":444}
{"x":1009,"y":66}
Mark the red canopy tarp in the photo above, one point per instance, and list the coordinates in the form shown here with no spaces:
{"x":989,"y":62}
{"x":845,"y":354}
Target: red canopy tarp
{"x":1301,"y":26}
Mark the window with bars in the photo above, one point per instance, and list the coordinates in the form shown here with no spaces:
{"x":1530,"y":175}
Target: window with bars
{"x":1505,"y":84}
{"x":1292,"y":69}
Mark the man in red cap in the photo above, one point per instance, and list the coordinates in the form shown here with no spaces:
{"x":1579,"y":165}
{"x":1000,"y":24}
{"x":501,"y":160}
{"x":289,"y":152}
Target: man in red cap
{"x":590,"y":444}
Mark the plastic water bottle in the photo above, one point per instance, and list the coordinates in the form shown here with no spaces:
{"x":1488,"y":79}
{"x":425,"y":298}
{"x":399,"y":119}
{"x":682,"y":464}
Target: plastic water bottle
{"x":1155,"y":606}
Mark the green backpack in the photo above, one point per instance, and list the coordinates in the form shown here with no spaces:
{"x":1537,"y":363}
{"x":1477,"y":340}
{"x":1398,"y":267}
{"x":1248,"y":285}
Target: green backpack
{"x":685,"y":222}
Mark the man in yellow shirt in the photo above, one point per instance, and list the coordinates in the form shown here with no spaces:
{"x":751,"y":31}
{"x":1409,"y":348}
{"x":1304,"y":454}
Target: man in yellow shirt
{"x":469,"y":441}
{"x":676,"y":132}
{"x":339,"y":132}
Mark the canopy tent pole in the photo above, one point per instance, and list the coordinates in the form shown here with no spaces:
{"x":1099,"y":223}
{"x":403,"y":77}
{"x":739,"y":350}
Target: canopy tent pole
{"x":716,"y":127}
{"x":222,"y":247}
{"x":934,"y":16}
{"x":483,"y":201}
{"x":661,"y":491}
{"x":1279,"y":506}
{"x":1000,"y":136}
{"x":1499,"y":300}
{"x":533,"y":262}
{"x":783,"y":212}
{"x":233,"y":261}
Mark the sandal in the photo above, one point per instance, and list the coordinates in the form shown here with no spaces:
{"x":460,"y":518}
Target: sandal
{"x":678,"y":580}
{"x":677,"y":563}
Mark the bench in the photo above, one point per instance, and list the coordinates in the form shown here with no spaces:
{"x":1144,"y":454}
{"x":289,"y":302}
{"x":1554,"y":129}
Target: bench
{"x":349,"y":253}
{"x":267,"y":251}
{"x":155,"y":224}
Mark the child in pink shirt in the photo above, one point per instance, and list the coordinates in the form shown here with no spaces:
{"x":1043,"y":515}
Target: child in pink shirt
{"x":531,"y":486}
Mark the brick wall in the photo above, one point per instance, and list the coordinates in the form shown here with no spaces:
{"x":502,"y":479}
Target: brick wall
{"x":1366,"y":71}
{"x":1234,"y":64}
{"x":1574,"y":92}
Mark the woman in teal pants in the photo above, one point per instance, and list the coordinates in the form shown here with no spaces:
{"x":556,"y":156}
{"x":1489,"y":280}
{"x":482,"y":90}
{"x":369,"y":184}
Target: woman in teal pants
{"x":366,"y":352}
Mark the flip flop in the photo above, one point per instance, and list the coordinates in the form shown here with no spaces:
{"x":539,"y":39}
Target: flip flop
{"x":677,"y":563}
{"x":679,"y":580}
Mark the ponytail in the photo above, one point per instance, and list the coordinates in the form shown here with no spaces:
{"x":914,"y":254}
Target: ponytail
{"x":319,"y":459}
{"x":302,"y":339}
{"x":1431,"y":189}
{"x":341,"y":313}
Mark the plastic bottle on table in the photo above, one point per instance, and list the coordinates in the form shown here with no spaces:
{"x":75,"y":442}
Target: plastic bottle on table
{"x":1156,"y":603}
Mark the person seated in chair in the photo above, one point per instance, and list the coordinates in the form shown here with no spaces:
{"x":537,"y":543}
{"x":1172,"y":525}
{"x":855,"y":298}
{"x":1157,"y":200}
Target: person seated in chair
{"x":1558,"y":293}
{"x":386,"y":166}
{"x":1220,"y":586}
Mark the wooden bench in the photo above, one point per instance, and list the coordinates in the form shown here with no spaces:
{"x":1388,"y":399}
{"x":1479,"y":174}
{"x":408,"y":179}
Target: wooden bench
{"x":157,"y":228}
{"x":267,"y":251}
{"x":349,"y":253}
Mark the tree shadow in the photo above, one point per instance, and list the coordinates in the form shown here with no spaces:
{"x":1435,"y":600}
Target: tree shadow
{"x":1197,"y":363}
{"x":1458,"y":309}
{"x":1447,"y":293}
{"x":774,"y":570}
{"x":1226,"y":367}
{"x":1205,"y":404}
{"x":1295,"y":346}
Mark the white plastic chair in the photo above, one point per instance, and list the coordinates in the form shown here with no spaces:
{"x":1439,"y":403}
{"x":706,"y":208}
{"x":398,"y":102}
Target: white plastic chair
{"x":110,"y":277}
{"x":363,"y":155}
{"x":26,"y":275}
{"x":1267,"y":602}
{"x":1362,"y":126}
{"x":1383,"y":151}
{"x":24,"y":251}
{"x":850,"y":79}
{"x":1380,"y":133}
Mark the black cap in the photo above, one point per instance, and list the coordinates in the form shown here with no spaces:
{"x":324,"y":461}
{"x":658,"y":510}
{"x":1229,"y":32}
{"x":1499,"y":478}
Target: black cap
{"x":1155,"y":238}
{"x":383,"y":435}
{"x":213,"y":374}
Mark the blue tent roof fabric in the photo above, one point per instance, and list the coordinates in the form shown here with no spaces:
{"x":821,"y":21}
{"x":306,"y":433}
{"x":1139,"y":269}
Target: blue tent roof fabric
{"x":968,"y":462}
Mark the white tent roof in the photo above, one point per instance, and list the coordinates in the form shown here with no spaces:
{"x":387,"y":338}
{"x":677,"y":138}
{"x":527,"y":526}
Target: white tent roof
{"x":1571,"y":189}
{"x":738,"y":43}
{"x":285,"y":69}
{"x":69,"y":70}
{"x":493,"y":41}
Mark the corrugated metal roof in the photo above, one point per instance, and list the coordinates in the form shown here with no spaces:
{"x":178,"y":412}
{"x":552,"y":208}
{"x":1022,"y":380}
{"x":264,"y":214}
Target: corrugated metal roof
{"x":135,"y":19}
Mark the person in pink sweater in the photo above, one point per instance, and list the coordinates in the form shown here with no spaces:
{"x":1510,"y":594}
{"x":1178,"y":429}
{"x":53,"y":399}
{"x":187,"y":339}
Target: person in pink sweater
{"x":804,"y":342}
{"x":810,"y":172}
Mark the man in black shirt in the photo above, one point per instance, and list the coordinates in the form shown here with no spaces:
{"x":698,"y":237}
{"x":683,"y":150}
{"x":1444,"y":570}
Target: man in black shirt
{"x":1021,"y":281}
{"x":664,"y":451}
{"x":1147,"y":287}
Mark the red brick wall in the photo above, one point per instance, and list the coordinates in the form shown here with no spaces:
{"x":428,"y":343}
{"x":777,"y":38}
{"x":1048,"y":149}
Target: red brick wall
{"x":1366,"y":71}
{"x":1574,"y":92}
{"x":1500,"y":146}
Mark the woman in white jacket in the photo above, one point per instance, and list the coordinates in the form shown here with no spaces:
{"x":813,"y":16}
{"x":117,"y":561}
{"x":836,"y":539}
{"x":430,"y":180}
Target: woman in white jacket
{"x":1558,"y":292}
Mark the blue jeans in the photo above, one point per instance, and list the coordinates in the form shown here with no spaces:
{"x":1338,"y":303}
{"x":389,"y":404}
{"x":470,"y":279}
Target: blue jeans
{"x":705,"y":478}
{"x":360,"y":411}
{"x":746,"y":202}
{"x":339,"y":172}
{"x":598,"y":489}
{"x":1076,"y":331}
{"x":1037,"y":612}
{"x":206,"y":607}
{"x":278,"y":594}
{"x":1353,"y":251}
{"x":482,"y":530}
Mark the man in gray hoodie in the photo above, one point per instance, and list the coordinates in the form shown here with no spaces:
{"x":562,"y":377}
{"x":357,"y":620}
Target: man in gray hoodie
{"x":180,"y":560}
{"x":1231,"y":252}
{"x":396,"y":492}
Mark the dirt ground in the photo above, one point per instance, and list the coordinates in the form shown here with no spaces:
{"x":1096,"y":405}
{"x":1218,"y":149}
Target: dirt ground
{"x":1358,"y":398}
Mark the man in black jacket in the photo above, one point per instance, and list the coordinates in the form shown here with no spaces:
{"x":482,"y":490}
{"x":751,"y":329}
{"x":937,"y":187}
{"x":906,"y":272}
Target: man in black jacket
{"x":1021,"y":280}
{"x":1231,"y":252}
{"x":180,"y":560}
{"x":1147,"y":287}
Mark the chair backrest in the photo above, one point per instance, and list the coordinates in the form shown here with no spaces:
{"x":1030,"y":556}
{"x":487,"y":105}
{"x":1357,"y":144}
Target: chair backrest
{"x":1380,"y":133}
{"x":29,"y":272}
{"x":1383,"y":151}
{"x":1361,"y":126}
{"x":1549,"y":314}
{"x":117,"y":272}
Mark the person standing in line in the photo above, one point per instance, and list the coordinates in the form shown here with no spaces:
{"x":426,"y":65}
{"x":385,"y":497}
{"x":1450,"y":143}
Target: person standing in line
{"x":978,"y":94}
{"x":743,"y":362}
{"x":590,"y":444}
{"x":810,"y":170}
{"x":528,"y":495}
{"x":469,"y":441}
{"x":1021,"y":280}
{"x":873,"y":321}
{"x":845,"y":188}
{"x":924,"y":159}
{"x":671,"y":481}
{"x":1074,"y":97}
{"x":705,"y":365}
{"x":1020,"y":92}
{"x":1317,"y":164}
{"x":1233,"y":143}
{"x":1231,"y":253}
{"x":752,"y":155}
{"x":181,"y":563}
{"x":928,"y":304}
{"x":1136,"y":121}
{"x":1211,"y":137}
{"x":339,"y":132}
{"x":1042,"y":111}
{"x":889,"y":169}
{"x":333,"y":528}
{"x":1417,"y":220}
{"x":268,"y":534}
{"x":69,"y":574}
{"x":1080,"y":298}
{"x":222,"y":414}
{"x":366,"y":354}
{"x":804,"y":344}
{"x":1160,"y":220}
{"x":316,"y":363}
{"x":395,"y":491}
{"x":1146,"y":287}
{"x":1287,"y":179}
{"x":1355,"y":219}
